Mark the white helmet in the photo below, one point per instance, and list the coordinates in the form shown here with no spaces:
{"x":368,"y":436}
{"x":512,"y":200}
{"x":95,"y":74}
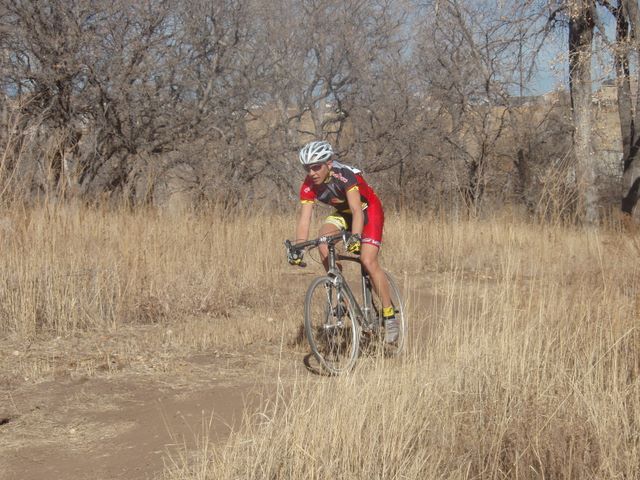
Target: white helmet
{"x":316,"y":152}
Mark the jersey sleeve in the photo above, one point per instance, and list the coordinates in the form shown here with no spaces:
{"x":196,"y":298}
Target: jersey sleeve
{"x":351,"y":181}
{"x":307,"y":195}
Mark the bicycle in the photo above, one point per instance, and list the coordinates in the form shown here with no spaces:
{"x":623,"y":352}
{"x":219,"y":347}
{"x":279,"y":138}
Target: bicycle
{"x":336,"y":325}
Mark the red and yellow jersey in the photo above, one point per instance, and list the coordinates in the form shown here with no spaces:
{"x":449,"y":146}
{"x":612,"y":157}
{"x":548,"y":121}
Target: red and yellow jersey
{"x":333,"y":191}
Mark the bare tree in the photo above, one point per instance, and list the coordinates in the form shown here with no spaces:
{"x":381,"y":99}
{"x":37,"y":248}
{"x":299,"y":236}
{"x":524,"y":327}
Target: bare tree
{"x":110,"y":96}
{"x":318,"y":56}
{"x":625,"y":48}
{"x":585,"y":24}
{"x":581,"y":29}
{"x":125,"y":82}
{"x":472,"y":59}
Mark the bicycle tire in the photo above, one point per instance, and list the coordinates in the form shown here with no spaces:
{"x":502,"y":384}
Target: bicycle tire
{"x":330,"y":326}
{"x":396,"y":348}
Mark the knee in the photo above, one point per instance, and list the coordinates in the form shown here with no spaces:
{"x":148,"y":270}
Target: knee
{"x":369,"y":262}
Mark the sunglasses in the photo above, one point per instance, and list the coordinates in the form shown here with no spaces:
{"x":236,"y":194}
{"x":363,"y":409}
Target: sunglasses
{"x":315,"y":167}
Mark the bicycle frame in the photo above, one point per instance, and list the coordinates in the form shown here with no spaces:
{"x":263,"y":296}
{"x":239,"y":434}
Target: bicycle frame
{"x":334,"y":321}
{"x":366,"y":314}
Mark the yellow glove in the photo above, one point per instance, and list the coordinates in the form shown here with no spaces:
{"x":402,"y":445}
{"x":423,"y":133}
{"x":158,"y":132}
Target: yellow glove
{"x":354,"y":243}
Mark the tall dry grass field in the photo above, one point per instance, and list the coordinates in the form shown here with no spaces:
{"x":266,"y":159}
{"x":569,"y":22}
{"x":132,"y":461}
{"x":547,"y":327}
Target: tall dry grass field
{"x":119,"y":287}
{"x":523,"y":362}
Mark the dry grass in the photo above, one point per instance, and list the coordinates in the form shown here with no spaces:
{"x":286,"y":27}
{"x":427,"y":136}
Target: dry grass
{"x":524,"y":360}
{"x":525,"y":364}
{"x":96,"y":289}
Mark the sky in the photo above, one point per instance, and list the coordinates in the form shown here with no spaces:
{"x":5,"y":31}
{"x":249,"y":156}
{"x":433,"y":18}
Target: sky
{"x":553,"y":70}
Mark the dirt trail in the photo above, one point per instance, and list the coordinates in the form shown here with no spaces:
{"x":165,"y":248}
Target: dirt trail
{"x":122,"y":426}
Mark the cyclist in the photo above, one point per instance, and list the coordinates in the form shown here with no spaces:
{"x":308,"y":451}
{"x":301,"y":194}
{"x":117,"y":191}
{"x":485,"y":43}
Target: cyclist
{"x":357,"y":210}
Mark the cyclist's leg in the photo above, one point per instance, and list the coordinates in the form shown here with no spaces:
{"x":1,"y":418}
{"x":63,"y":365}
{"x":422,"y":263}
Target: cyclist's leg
{"x":332,"y":225}
{"x":369,"y":259}
{"x":371,"y":242}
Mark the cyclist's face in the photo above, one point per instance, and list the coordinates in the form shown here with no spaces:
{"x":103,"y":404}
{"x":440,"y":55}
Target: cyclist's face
{"x":318,"y":172}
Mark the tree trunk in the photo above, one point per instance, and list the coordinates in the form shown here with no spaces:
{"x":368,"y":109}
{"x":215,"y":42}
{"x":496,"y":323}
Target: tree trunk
{"x":627,"y":25}
{"x":581,"y":27}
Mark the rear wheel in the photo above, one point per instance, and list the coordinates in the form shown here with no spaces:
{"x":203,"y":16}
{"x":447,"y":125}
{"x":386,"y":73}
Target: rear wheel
{"x":330,"y":326}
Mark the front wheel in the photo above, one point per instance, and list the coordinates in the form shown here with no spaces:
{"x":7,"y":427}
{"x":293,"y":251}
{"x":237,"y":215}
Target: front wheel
{"x":330,"y":326}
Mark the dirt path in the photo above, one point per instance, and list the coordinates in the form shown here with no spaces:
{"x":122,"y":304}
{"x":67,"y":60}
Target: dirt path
{"x":122,"y":426}
{"x":125,"y":425}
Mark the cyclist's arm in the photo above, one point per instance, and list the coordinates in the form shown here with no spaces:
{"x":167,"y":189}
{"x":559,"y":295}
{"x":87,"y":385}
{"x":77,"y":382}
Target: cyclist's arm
{"x":353,"y":198}
{"x":304,"y":222}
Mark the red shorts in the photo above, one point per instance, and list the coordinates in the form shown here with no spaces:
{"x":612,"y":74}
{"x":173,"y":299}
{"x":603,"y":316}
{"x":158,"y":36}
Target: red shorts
{"x":373,"y":223}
